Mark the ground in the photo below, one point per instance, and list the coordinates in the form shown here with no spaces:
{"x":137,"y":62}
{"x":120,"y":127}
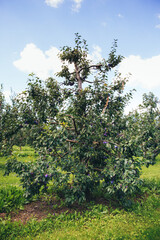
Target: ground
{"x":41,"y":208}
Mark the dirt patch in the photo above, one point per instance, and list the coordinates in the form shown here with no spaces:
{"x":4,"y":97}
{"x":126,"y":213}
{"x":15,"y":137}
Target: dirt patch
{"x":40,"y":210}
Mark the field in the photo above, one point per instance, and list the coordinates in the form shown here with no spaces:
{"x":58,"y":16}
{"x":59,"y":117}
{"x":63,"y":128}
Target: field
{"x":48,"y":218}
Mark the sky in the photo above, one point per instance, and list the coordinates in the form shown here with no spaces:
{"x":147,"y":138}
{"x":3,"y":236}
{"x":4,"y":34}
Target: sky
{"x":33,"y":32}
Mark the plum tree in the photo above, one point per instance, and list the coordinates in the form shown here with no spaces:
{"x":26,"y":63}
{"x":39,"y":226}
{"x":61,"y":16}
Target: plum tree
{"x":80,"y":130}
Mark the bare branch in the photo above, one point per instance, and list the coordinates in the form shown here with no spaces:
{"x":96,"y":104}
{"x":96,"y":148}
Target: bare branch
{"x":88,"y":81}
{"x":105,"y":105}
{"x":78,"y":77}
{"x":98,"y":169}
{"x":74,"y":123}
{"x":95,"y":142}
{"x":68,"y":128}
{"x":97,"y":66}
{"x":73,"y":141}
{"x":65,"y":154}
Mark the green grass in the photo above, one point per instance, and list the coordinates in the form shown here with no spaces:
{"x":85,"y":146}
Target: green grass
{"x":141,"y":222}
{"x":11,"y":180}
{"x":152,"y":171}
{"x":11,"y":194}
{"x":122,"y":226}
{"x":26,"y":154}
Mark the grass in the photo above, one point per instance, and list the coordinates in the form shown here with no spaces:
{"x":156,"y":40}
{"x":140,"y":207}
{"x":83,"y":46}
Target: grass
{"x":11,"y":194}
{"x":141,"y":222}
{"x":152,"y":171}
{"x":116,"y":225}
{"x":25,"y":154}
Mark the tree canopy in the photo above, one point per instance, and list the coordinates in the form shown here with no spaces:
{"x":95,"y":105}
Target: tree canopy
{"x":80,"y":131}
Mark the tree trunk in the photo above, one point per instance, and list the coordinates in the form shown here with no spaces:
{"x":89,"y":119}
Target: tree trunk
{"x":78,"y":77}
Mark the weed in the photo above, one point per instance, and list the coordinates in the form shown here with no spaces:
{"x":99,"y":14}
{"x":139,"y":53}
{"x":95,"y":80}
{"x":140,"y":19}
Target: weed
{"x":11,"y":198}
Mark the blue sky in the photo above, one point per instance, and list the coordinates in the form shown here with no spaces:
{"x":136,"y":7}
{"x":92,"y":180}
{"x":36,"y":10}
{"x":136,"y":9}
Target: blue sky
{"x":32,"y":32}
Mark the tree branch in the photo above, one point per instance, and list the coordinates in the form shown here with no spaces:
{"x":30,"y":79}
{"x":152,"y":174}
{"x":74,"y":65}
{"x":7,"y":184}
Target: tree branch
{"x":72,"y":141}
{"x":97,"y":66}
{"x":98,"y":169}
{"x":78,"y":77}
{"x":74,"y":123}
{"x":105,"y":105}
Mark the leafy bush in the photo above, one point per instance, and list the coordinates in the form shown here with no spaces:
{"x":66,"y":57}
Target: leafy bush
{"x":33,"y":176}
{"x":11,"y":198}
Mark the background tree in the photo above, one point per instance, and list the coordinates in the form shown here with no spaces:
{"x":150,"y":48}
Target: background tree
{"x":10,"y":124}
{"x":144,"y":124}
{"x":1,"y":112}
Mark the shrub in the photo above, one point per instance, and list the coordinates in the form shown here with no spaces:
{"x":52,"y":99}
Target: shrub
{"x":11,"y":198}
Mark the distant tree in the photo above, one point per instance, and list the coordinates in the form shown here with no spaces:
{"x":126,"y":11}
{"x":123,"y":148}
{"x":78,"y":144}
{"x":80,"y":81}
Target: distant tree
{"x":1,"y":111}
{"x":145,"y":125}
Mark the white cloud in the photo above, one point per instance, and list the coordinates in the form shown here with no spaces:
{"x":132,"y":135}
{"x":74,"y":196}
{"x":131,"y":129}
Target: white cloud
{"x":120,"y":15}
{"x":46,"y":64}
{"x":7,"y":95}
{"x":157,"y":26}
{"x":104,"y":24}
{"x":77,"y":5}
{"x":43,"y":64}
{"x":145,"y":72}
{"x":53,"y":3}
{"x":96,"y":56}
{"x":133,"y":105}
{"x":158,"y":15}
